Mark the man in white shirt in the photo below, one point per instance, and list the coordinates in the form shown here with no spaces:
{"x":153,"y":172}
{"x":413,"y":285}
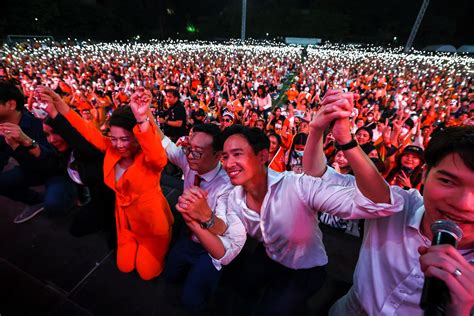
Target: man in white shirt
{"x":280,"y":211}
{"x":390,"y":272}
{"x":214,"y":237}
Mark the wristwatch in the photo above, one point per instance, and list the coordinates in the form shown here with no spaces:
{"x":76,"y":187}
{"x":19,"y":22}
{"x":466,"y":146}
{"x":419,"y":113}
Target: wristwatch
{"x":349,"y":145}
{"x":33,"y":145}
{"x":209,"y":223}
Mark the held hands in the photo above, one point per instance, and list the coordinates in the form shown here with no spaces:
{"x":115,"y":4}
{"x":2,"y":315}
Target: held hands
{"x":447,"y":264}
{"x":192,"y":204}
{"x":336,"y":109}
{"x":53,"y":102}
{"x":140,"y":103}
{"x":13,"y":134}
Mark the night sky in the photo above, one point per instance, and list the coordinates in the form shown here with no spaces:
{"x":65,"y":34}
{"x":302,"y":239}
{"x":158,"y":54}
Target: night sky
{"x":362,"y":21}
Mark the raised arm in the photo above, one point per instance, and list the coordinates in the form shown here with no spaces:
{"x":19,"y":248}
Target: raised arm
{"x":368,"y":179}
{"x":145,"y":130}
{"x":333,"y":107}
{"x":57,"y":105}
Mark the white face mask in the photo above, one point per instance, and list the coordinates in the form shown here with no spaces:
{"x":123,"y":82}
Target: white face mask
{"x":370,"y":118}
{"x":404,"y":131}
{"x":278,"y":126}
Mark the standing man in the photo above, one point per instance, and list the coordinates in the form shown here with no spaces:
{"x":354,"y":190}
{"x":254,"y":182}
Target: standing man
{"x":174,"y":121}
{"x":214,"y":236}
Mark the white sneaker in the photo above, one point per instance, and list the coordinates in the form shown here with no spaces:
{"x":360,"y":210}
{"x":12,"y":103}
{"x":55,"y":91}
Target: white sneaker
{"x":28,"y":213}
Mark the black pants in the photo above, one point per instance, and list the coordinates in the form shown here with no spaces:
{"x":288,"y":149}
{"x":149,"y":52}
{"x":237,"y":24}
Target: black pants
{"x":273,"y":289}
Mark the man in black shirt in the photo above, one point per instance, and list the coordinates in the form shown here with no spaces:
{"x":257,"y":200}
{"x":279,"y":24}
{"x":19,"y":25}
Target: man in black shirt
{"x":174,"y":121}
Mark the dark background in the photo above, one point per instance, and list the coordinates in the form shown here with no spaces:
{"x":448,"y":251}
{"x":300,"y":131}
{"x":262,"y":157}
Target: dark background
{"x":360,"y":21}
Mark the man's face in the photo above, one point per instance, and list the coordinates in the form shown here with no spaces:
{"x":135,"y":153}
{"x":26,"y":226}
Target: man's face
{"x":200,"y":146}
{"x":240,"y":162}
{"x":449,"y":194}
{"x":170,"y":98}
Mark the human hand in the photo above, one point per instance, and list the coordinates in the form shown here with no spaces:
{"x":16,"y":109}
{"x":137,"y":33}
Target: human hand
{"x":53,"y":102}
{"x":447,"y":264}
{"x":193,"y":202}
{"x":140,"y":103}
{"x":403,"y":179}
{"x":13,"y":134}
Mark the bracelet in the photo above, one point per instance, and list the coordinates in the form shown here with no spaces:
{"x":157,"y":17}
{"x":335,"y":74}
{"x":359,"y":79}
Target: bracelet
{"x":141,"y":122}
{"x":353,"y":143}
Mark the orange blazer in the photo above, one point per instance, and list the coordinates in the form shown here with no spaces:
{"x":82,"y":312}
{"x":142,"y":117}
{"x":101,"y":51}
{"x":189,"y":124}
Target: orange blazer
{"x":141,"y":208}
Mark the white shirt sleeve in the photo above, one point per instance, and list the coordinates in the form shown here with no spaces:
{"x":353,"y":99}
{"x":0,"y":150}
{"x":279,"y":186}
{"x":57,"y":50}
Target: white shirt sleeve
{"x":346,"y":202}
{"x":174,"y":153}
{"x":233,"y":239}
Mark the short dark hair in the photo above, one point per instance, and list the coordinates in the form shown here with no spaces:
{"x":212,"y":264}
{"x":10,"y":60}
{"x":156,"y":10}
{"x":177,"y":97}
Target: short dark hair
{"x":123,"y":117}
{"x":213,"y":131}
{"x":254,"y":136}
{"x":458,"y":140}
{"x":8,"y":91}
{"x":174,"y":92}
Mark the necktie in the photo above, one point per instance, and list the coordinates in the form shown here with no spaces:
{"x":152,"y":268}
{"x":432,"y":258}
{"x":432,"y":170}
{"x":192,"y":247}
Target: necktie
{"x":197,"y":180}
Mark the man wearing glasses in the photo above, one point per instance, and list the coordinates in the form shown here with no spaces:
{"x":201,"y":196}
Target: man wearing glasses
{"x":213,"y":237}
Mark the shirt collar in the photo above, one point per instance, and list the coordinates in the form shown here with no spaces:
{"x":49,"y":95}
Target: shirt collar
{"x":209,"y":176}
{"x":273,"y":178}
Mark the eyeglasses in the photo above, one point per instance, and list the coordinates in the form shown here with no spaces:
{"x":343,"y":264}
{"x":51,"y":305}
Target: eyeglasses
{"x":196,"y":155}
{"x":227,"y":120}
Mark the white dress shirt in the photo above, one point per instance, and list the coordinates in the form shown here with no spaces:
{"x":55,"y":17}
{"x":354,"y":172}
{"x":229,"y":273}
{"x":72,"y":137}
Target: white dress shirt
{"x":388,"y":279}
{"x":218,"y":186}
{"x":288,"y":223}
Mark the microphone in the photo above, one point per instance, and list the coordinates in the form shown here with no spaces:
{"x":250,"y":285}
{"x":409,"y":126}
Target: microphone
{"x":435,"y":295}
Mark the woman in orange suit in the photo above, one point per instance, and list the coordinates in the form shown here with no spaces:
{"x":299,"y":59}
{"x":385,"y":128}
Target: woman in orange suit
{"x":134,"y":159}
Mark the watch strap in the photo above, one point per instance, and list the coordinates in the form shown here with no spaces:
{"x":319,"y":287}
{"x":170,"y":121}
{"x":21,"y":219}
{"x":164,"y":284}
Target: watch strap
{"x":353,"y":143}
{"x":33,"y":145}
{"x":209,"y":223}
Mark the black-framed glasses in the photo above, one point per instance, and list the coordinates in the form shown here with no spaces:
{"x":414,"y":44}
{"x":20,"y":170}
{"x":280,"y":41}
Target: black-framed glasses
{"x":196,"y":155}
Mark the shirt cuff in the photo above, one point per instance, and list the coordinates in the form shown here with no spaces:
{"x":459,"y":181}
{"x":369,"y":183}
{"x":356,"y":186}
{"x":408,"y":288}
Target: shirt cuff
{"x":395,"y":204}
{"x":222,"y":261}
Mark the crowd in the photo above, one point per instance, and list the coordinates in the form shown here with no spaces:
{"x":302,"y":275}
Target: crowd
{"x":376,"y":143}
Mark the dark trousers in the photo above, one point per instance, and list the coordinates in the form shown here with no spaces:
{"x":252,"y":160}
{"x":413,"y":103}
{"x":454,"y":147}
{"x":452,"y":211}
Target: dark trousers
{"x":189,"y":260}
{"x":270,"y":288}
{"x":98,"y":215}
{"x":59,"y":196}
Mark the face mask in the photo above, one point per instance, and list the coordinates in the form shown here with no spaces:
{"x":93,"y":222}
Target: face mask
{"x":404,"y":131}
{"x":370,"y":118}
{"x":299,"y":153}
{"x":277,"y":126}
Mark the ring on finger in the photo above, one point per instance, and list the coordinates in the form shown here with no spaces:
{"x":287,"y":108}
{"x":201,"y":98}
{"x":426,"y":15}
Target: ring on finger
{"x":457,"y":273}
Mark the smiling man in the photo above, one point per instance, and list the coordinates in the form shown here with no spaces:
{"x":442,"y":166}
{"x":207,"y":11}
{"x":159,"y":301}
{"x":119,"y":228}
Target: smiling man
{"x":214,"y":236}
{"x":279,"y":210}
{"x":389,"y":276}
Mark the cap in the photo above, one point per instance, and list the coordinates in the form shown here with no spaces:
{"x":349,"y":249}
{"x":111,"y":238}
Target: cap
{"x":412,"y":149}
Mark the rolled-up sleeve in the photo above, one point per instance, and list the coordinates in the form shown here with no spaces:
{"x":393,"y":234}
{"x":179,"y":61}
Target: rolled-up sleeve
{"x":346,"y":202}
{"x":233,"y":240}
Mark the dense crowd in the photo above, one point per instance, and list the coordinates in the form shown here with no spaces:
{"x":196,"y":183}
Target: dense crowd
{"x":117,"y":115}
